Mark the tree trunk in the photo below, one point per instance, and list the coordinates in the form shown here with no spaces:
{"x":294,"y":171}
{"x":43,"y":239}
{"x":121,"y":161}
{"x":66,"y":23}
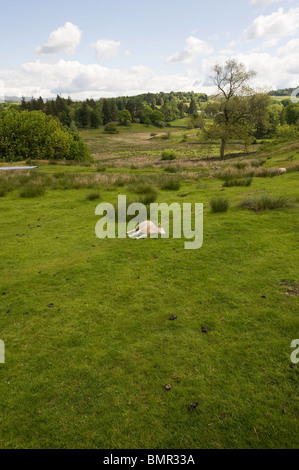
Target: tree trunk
{"x":222,"y":148}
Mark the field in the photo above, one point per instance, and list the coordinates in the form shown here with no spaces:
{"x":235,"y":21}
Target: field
{"x":89,"y":344}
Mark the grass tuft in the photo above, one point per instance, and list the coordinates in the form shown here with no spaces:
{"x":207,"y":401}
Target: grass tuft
{"x":219,"y":204}
{"x":265,"y":202}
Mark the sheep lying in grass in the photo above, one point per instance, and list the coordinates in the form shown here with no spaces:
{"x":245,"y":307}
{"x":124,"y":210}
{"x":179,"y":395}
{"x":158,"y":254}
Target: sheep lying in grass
{"x":281,"y":171}
{"x":145,"y":229}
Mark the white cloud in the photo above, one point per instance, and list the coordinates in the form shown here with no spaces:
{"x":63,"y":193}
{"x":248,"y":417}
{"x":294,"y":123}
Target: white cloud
{"x":194,"y":47}
{"x":273,"y":27}
{"x":106,"y":49}
{"x":92,"y":80}
{"x":64,"y":39}
{"x":260,"y":4}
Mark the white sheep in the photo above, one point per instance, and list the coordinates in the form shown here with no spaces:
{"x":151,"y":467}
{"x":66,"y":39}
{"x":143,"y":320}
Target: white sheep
{"x":281,"y":171}
{"x":145,"y":229}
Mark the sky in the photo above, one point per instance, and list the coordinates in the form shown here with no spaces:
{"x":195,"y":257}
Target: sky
{"x":96,"y":48}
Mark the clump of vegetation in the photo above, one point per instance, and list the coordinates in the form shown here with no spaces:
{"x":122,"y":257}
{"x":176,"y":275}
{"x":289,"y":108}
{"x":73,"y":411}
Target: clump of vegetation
{"x":219,"y":204}
{"x":93,"y":196}
{"x":3,"y":192}
{"x":171,"y":184}
{"x":265,"y":202}
{"x":143,"y":189}
{"x":170,"y":169}
{"x":24,"y":135}
{"x":111,"y":128}
{"x":148,"y":198}
{"x":32,"y":190}
{"x":101,"y":168}
{"x":169,"y":155}
{"x":237,"y":182}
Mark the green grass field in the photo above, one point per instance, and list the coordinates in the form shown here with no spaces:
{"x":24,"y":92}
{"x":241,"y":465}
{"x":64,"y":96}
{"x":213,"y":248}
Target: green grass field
{"x":89,"y":344}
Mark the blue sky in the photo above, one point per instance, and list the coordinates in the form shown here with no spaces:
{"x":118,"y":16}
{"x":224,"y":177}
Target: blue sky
{"x":123,"y":47}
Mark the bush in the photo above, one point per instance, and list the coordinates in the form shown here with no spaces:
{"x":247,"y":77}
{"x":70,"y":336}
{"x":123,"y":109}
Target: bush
{"x":237,"y":182}
{"x":32,"y":190}
{"x":171,"y":185}
{"x":265,"y":202}
{"x":3,"y":192}
{"x":219,"y":204}
{"x":169,"y":155}
{"x":143,"y":189}
{"x":32,"y":134}
{"x":93,"y":196}
{"x":101,"y":168}
{"x":148,"y":198}
{"x":111,"y":128}
{"x":170,"y":169}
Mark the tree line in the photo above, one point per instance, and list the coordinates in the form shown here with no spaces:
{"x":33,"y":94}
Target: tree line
{"x":148,"y":108}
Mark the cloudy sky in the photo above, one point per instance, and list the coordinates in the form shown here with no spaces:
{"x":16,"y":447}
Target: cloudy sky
{"x":96,"y":48}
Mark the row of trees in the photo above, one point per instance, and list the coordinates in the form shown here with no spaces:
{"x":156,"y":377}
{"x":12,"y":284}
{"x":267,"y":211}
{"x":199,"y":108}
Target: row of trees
{"x":26,"y":135}
{"x":150,"y":108}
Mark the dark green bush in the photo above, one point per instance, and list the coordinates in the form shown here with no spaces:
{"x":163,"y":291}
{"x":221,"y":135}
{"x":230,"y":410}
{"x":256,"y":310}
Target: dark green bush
{"x":265,"y":202}
{"x":111,"y":128}
{"x":237,"y":182}
{"x":219,"y":204}
{"x":171,"y":184}
{"x":32,"y":190}
{"x":169,"y":155}
{"x":93,"y":196}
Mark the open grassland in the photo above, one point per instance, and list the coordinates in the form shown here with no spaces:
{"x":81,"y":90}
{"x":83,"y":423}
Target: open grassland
{"x":89,"y":343}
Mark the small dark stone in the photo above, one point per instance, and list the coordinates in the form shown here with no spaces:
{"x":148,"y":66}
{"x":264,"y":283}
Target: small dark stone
{"x":263,"y":297}
{"x":173,"y":317}
{"x":51,"y":305}
{"x":193,"y":405}
{"x":204,"y":329}
{"x":168,"y":387}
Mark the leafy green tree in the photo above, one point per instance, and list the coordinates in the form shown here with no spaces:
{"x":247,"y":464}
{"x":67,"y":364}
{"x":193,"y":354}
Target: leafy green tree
{"x":124,"y":118}
{"x":237,"y":111}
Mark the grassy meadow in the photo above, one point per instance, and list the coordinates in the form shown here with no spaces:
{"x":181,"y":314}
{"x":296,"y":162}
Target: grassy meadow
{"x":89,"y":343}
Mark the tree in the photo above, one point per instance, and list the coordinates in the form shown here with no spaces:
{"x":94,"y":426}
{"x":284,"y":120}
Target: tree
{"x":193,"y":106}
{"x":237,"y":110}
{"x":124,"y":118}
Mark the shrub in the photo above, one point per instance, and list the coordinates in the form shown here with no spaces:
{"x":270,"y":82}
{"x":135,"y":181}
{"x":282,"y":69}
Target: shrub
{"x":171,"y":185}
{"x":143,"y":189}
{"x":170,"y":169}
{"x":111,"y":128}
{"x":265,"y":202}
{"x":32,"y":190}
{"x":101,"y":168}
{"x":148,"y":198}
{"x":93,"y":196}
{"x":237,"y":182}
{"x":219,"y":204}
{"x":3,"y":192}
{"x":169,"y":155}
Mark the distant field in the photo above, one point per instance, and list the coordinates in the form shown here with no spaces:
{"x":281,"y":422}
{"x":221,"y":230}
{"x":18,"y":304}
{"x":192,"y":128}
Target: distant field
{"x":89,"y":343}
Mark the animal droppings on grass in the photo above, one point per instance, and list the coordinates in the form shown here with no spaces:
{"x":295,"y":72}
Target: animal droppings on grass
{"x":9,"y":310}
{"x":168,"y":387}
{"x":263,"y":297}
{"x":51,"y":305}
{"x":204,"y":329}
{"x":193,"y":405}
{"x":173,"y":317}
